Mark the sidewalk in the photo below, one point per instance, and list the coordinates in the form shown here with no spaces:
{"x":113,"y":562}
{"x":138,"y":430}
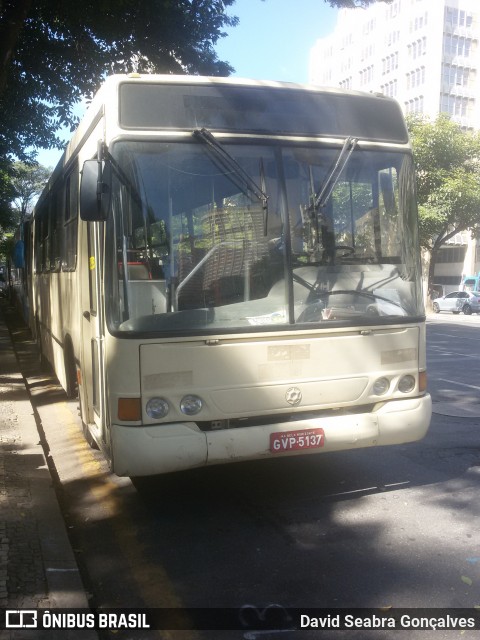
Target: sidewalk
{"x":37,"y":565}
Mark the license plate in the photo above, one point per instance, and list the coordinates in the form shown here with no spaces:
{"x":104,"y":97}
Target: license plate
{"x":296,"y":440}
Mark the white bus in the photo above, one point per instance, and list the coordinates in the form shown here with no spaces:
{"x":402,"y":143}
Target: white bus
{"x":229,"y":270}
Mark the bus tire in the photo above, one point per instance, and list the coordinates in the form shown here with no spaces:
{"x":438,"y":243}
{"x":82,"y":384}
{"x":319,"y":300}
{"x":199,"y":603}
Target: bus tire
{"x":144,"y":485}
{"x":71,"y":388}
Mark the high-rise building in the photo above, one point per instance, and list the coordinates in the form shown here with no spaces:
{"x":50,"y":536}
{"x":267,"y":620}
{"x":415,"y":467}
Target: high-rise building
{"x":426,"y":55}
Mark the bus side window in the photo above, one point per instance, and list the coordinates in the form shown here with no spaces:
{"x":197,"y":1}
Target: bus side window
{"x":69,"y":244}
{"x":55,"y":228}
{"x":41,"y":239}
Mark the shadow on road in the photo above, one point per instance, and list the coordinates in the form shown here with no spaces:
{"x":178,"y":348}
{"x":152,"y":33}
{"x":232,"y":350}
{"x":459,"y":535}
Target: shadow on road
{"x":365,"y":528}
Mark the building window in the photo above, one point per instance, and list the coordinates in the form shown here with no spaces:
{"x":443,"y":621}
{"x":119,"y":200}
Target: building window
{"x":416,"y":78}
{"x":415,"y":105}
{"x":451,"y":254}
{"x":390,"y":63}
{"x":393,"y":37}
{"x":456,"y":45}
{"x":394,"y":9}
{"x":456,"y":105}
{"x":346,"y":65}
{"x":368,"y":51}
{"x":369,"y":27}
{"x":419,"y":22}
{"x":366,"y":75}
{"x":458,"y":18}
{"x":390,"y":88}
{"x":418,"y":48}
{"x":455,"y":75}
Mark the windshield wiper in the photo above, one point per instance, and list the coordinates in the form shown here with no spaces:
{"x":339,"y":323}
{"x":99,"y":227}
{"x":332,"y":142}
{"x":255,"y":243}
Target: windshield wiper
{"x":229,"y":163}
{"x":320,"y":198}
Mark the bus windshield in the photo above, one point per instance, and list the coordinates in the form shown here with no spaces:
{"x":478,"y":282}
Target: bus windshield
{"x":206,"y":238}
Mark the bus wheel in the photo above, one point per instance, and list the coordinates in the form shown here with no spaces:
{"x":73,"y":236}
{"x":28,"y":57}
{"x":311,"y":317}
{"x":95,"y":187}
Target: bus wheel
{"x":70,"y":372}
{"x":145,"y":485}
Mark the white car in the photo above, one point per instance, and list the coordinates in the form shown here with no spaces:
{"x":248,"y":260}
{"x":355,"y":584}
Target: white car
{"x":466,"y":301}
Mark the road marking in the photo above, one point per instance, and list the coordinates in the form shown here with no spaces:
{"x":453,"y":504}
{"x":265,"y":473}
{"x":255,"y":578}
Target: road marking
{"x":456,"y":353}
{"x":459,"y":384}
{"x":392,"y":487}
{"x":455,"y":335}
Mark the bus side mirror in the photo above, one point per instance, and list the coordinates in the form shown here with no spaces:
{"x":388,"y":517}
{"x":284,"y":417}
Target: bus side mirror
{"x":93,"y":193}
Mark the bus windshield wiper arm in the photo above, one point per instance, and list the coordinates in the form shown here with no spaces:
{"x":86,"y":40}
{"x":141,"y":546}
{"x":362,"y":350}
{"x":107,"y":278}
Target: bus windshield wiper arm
{"x":229,"y":162}
{"x":322,"y":195}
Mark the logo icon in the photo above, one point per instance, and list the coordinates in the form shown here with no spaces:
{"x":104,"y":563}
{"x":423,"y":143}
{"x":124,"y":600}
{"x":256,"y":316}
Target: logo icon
{"x":293,"y":396}
{"x":20,"y":619}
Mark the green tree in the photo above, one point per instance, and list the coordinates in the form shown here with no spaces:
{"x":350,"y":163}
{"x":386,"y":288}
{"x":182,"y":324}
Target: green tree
{"x":7,"y":193}
{"x":20,"y":183}
{"x":54,"y":53}
{"x":447,"y":160}
{"x":28,"y":181}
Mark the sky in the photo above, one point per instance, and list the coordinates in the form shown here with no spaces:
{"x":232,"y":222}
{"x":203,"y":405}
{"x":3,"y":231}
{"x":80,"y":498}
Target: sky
{"x":271,"y":42}
{"x":274,"y":37}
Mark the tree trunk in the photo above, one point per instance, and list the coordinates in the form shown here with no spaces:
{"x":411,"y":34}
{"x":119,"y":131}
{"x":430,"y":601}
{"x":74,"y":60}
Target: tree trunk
{"x":425,"y":262}
{"x":431,"y":271}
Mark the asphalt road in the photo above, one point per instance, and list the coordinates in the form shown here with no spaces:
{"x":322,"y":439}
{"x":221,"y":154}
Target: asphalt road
{"x":387,"y":527}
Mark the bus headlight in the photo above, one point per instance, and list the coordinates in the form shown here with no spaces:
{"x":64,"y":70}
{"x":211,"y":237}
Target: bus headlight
{"x":191,"y":405}
{"x":406,"y":384}
{"x":157,"y":408}
{"x":381,"y":386}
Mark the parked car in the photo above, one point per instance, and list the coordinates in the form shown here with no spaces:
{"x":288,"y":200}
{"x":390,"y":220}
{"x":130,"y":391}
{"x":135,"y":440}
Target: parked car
{"x":466,"y":301}
{"x":3,"y":285}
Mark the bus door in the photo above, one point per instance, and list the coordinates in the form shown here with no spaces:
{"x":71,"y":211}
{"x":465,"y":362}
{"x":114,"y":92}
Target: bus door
{"x":93,"y":333}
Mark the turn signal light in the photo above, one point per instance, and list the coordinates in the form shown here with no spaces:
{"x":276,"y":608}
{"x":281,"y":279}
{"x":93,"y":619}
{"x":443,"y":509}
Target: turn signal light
{"x":422,"y":381}
{"x":129,"y":409}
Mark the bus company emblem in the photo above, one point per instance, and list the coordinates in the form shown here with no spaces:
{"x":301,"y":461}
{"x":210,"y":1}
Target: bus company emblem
{"x":293,"y":396}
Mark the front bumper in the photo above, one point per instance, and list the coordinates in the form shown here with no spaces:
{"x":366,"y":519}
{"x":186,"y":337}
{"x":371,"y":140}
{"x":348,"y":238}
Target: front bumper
{"x":157,"y":449}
